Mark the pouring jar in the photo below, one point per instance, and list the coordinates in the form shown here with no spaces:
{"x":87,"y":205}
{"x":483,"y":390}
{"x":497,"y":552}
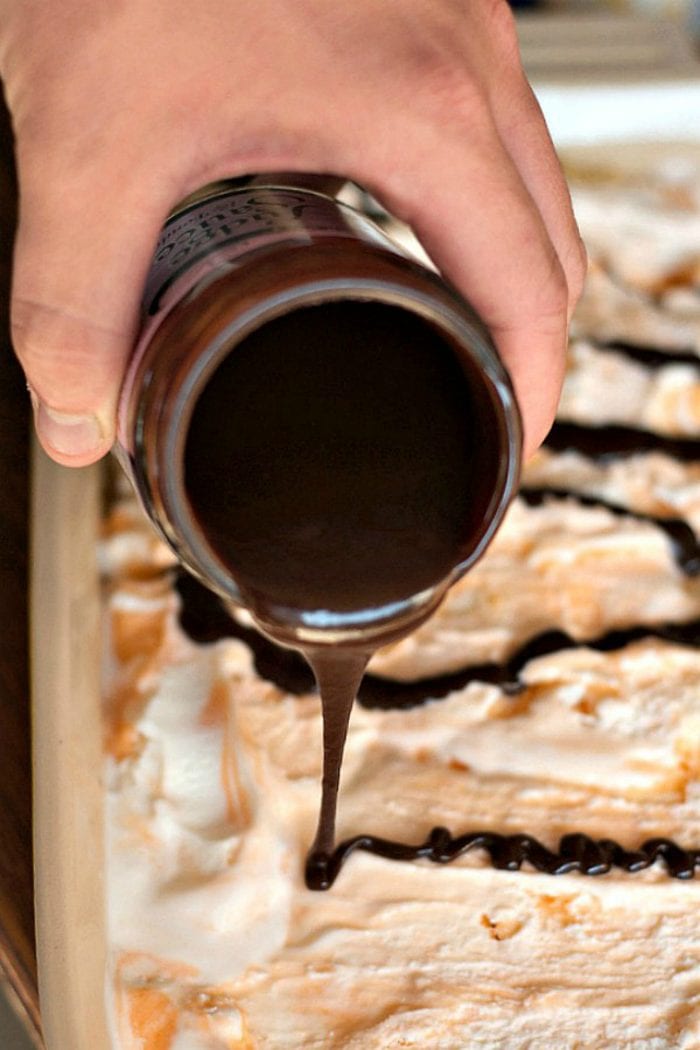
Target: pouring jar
{"x":235,"y":261}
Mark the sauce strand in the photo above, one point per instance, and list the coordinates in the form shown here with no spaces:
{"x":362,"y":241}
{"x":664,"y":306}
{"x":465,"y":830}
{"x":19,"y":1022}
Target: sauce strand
{"x":606,"y":443}
{"x":204,"y":619}
{"x":577,"y":852}
{"x":684,"y":543}
{"x":651,"y":357}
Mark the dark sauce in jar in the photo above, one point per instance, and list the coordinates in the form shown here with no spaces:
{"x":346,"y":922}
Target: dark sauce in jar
{"x":318,"y":426}
{"x":339,"y":461}
{"x":330,"y":460}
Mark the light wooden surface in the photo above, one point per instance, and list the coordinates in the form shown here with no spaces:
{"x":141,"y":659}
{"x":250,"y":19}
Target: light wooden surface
{"x":67,"y":756}
{"x":68,"y":868}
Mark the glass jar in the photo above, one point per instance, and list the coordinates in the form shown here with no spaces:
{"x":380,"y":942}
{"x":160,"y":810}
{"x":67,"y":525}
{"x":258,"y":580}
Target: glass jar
{"x":243,"y":261}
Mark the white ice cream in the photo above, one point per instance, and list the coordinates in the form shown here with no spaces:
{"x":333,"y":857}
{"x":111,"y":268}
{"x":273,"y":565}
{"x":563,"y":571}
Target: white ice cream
{"x":213,"y":773}
{"x":212,"y":799}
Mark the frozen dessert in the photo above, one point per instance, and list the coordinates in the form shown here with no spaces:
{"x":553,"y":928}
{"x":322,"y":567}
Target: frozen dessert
{"x":551,"y":707}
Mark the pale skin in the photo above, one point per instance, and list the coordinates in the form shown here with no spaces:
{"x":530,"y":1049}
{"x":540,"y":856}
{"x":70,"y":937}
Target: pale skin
{"x":123,"y":107}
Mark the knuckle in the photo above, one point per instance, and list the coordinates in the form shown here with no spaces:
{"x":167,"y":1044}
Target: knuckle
{"x":552,"y":302}
{"x":33,"y":331}
{"x":454,"y":61}
{"x":23,"y":331}
{"x":451,"y":93}
{"x":501,"y":27}
{"x":59,"y":353}
{"x":442,"y":78}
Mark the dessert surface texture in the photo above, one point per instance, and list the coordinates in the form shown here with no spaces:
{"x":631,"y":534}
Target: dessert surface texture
{"x":555,"y":691}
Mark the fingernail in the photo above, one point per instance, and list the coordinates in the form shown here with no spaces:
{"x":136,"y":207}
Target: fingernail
{"x":64,"y":432}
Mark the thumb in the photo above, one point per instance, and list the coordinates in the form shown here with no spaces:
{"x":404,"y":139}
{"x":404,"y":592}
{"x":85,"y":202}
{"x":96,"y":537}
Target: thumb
{"x":81,"y":257}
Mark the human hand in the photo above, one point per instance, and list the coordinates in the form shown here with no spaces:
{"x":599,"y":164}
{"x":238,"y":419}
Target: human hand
{"x":121,"y":110}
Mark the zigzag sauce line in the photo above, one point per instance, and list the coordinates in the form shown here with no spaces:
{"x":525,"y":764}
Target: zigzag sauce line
{"x":577,"y":852}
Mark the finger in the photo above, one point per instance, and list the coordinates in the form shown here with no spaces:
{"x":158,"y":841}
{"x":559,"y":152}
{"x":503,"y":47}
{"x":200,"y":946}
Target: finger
{"x":82,"y":252}
{"x":462,"y":194}
{"x":524,"y":133}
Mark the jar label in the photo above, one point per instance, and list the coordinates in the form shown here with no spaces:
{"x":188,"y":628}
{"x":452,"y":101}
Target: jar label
{"x":218,"y":232}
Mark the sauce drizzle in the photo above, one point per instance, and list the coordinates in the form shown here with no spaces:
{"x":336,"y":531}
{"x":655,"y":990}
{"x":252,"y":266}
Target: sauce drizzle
{"x":684,"y":543}
{"x":576,"y":852}
{"x":651,"y":356}
{"x":606,"y":443}
{"x":205,"y":619}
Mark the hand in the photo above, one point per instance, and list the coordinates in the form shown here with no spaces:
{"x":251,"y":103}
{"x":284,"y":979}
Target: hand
{"x":121,"y":109}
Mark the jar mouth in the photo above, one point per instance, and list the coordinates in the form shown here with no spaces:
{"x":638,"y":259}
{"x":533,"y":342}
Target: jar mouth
{"x":321,"y":625}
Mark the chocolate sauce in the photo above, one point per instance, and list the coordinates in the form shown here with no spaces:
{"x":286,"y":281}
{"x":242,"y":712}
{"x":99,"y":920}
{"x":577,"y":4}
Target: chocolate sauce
{"x":344,"y":472}
{"x":358,"y":521}
{"x":606,"y":443}
{"x":684,"y":542}
{"x":338,"y":673}
{"x":204,"y":619}
{"x":576,"y":852}
{"x":337,"y":464}
{"x":651,"y":356}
